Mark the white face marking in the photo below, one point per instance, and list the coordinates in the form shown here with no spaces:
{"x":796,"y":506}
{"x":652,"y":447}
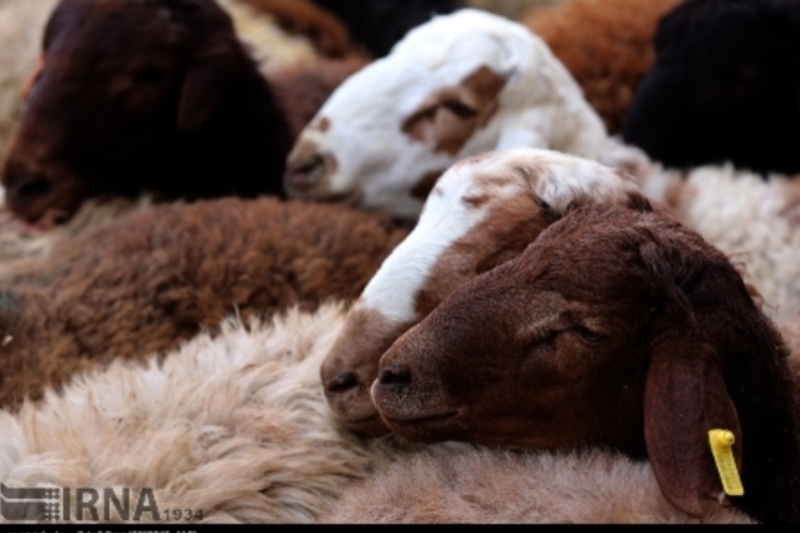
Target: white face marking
{"x":445,"y":219}
{"x":558,"y":179}
{"x":367,"y":112}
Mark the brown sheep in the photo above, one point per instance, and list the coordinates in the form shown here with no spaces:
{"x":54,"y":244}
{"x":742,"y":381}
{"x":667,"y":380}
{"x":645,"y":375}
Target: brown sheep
{"x":616,"y":328}
{"x":147,"y":282}
{"x":143,"y":95}
{"x":605,"y":44}
{"x":483,"y":211}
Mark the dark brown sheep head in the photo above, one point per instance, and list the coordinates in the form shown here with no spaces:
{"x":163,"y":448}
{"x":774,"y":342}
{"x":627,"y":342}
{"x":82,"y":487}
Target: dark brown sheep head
{"x":615,"y":328}
{"x":119,"y":80}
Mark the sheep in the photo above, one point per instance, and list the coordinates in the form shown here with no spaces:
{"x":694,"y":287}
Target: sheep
{"x":158,"y":276}
{"x":20,"y":242}
{"x":659,"y":345}
{"x":380,"y":24}
{"x":456,"y":86}
{"x":22,"y":24}
{"x":396,"y":175}
{"x":723,"y":87}
{"x":605,"y":44}
{"x":483,"y":211}
{"x":234,"y":427}
{"x":170,"y":101}
{"x":489,"y":486}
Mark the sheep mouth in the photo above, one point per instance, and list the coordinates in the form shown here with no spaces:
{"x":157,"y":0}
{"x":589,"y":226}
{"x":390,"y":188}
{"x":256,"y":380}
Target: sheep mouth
{"x":426,"y":428}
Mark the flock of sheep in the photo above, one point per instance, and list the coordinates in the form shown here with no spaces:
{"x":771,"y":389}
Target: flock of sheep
{"x":330,"y":261}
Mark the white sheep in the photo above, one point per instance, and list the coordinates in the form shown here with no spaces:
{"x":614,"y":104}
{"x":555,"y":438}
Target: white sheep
{"x":458,"y":85}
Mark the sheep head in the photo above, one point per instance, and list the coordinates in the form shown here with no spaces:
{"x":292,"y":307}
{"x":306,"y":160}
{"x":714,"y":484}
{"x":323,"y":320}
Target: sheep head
{"x":119,"y":80}
{"x":483,"y":211}
{"x":616,"y":328}
{"x":456,"y":86}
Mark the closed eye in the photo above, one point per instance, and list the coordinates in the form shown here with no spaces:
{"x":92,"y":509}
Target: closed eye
{"x":459,"y":109}
{"x":588,"y":336}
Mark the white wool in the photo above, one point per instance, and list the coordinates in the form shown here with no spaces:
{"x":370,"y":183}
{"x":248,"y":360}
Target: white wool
{"x":235,"y":426}
{"x":746,"y":217}
{"x":589,"y":487}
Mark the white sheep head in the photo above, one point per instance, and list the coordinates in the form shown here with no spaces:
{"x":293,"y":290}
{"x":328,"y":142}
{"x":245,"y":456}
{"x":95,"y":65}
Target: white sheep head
{"x":459,"y":85}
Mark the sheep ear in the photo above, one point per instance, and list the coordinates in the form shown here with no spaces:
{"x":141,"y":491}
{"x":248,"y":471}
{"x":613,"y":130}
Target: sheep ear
{"x":203,"y":85}
{"x":685,"y":397}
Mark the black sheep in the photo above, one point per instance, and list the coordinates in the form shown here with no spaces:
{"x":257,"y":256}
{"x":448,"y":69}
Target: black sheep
{"x":725,"y":87}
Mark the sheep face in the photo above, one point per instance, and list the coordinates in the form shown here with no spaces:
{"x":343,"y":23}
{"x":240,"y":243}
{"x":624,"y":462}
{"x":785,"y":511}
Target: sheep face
{"x":483,"y":211}
{"x":457,"y":86}
{"x":617,"y":328}
{"x":116,"y":82}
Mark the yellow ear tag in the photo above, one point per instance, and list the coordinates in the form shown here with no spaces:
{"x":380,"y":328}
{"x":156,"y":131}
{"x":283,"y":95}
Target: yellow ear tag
{"x":721,"y":441}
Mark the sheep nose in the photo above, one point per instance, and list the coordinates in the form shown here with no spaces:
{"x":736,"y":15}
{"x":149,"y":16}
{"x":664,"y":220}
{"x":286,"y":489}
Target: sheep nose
{"x":396,"y":376}
{"x":341,"y":384}
{"x":305,"y":174}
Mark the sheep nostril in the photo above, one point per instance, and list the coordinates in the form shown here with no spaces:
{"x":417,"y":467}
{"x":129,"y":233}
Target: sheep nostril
{"x":341,"y":383}
{"x":307,"y":174}
{"x":394,"y":376}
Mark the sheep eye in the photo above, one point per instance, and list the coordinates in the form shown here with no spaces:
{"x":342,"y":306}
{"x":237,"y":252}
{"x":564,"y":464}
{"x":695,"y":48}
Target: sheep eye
{"x":588,"y":336}
{"x":458,"y":109}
